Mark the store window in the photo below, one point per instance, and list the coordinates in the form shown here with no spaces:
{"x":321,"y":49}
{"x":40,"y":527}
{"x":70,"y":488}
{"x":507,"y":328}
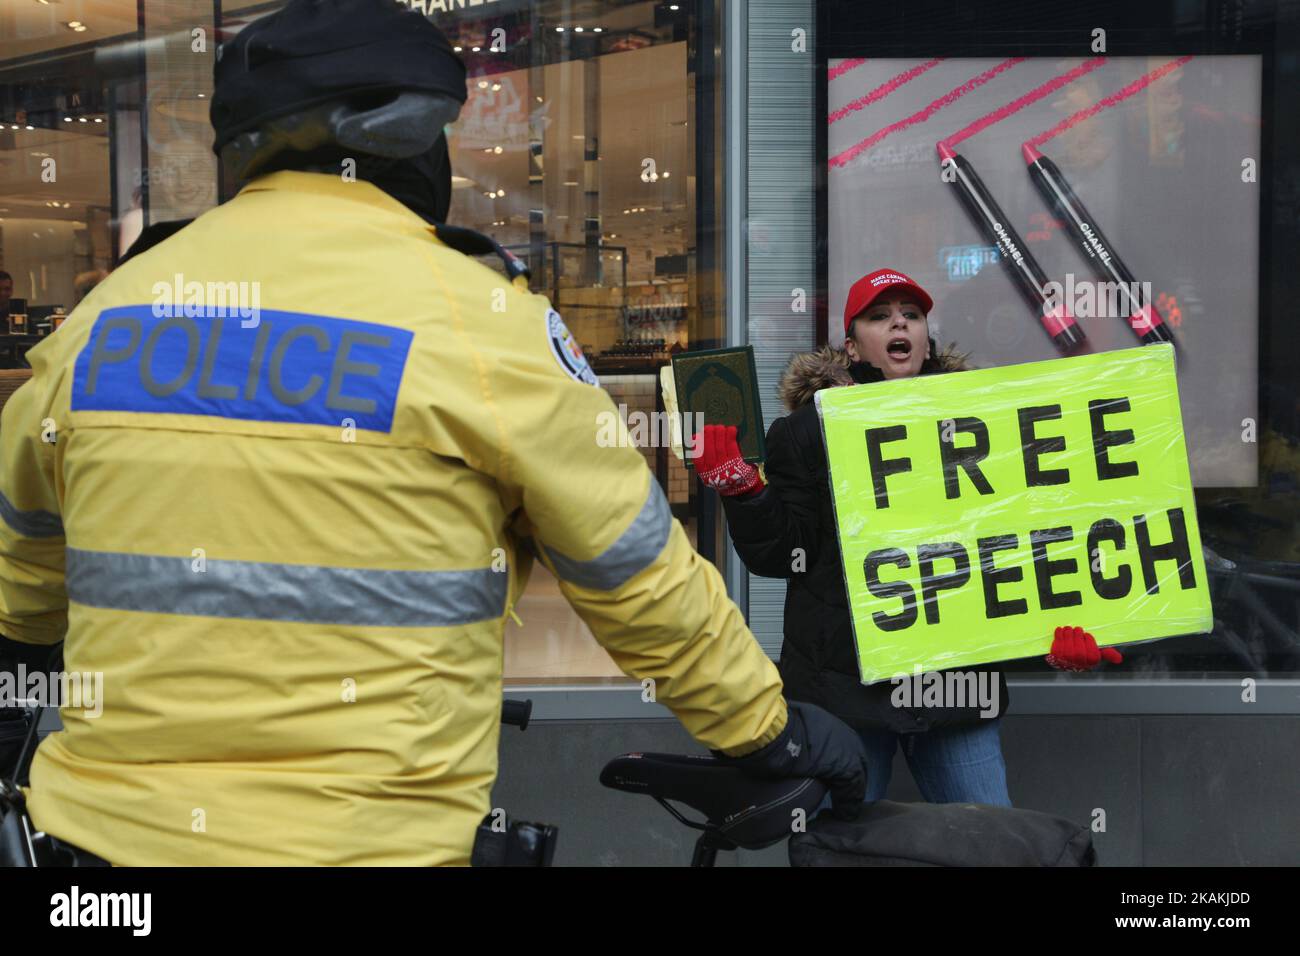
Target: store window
{"x":1177,"y":125}
{"x":577,"y":150}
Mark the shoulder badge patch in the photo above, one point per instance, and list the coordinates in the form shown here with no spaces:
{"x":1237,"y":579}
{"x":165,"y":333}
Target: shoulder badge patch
{"x":566,"y":350}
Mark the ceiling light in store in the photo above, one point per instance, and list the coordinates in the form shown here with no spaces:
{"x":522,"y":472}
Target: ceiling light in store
{"x":496,"y":86}
{"x":559,"y":29}
{"x":82,"y":119}
{"x":74,"y":24}
{"x":570,"y":183}
{"x":597,"y":29}
{"x":475,"y":49}
{"x":482,"y":84}
{"x":203,"y":96}
{"x":29,"y":127}
{"x":457,"y":49}
{"x":577,"y":29}
{"x":496,"y":149}
{"x":67,"y":119}
{"x":667,"y":174}
{"x":673,"y":6}
{"x":501,"y":192}
{"x":99,"y":119}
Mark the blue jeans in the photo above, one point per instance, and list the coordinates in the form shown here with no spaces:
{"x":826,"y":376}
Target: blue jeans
{"x":961,"y":764}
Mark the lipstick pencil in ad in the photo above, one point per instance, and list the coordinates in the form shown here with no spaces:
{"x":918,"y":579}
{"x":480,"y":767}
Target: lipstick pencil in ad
{"x":1142,"y":317}
{"x":1023,"y":268}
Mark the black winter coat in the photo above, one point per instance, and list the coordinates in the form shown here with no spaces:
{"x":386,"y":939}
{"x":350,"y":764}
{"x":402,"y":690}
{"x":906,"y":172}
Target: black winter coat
{"x":795,"y":511}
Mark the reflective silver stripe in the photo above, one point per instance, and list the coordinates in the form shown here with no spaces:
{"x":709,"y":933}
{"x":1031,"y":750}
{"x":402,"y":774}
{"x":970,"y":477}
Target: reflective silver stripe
{"x":285,"y":592}
{"x":30,"y":524}
{"x":634,"y":550}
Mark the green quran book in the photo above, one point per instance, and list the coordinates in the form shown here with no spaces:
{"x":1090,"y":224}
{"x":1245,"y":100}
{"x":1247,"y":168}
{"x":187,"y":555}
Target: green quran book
{"x":720,"y":387}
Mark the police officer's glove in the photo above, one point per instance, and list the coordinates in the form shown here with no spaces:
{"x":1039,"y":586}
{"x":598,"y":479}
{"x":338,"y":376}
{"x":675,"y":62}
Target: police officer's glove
{"x":816,"y":744}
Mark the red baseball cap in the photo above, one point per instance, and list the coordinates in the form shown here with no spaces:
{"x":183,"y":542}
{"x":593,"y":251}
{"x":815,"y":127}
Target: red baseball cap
{"x":875,"y":284}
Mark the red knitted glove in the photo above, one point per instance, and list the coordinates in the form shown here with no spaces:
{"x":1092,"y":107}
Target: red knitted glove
{"x":720,"y":465}
{"x":1074,"y":649}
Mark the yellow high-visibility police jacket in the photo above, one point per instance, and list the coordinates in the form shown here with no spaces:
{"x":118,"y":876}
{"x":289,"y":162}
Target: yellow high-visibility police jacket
{"x":279,"y":479}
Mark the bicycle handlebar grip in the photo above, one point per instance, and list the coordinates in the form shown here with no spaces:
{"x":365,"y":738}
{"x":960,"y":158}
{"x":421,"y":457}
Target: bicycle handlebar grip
{"x":516,"y":713}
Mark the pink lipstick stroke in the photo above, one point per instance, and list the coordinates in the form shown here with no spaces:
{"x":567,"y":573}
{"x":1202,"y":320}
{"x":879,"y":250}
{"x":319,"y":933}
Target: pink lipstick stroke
{"x":844,"y":68}
{"x":1118,"y":96}
{"x":1016,"y":105}
{"x":921,"y":115}
{"x":883,"y":90}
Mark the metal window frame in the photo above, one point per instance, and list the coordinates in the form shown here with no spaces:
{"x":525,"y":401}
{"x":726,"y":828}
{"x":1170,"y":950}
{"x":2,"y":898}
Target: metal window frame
{"x":1067,"y":695}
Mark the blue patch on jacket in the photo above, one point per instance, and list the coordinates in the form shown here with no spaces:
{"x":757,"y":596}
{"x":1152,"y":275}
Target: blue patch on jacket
{"x":280,"y":367}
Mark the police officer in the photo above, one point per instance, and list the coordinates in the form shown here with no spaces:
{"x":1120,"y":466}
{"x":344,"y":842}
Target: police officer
{"x":281,"y":479}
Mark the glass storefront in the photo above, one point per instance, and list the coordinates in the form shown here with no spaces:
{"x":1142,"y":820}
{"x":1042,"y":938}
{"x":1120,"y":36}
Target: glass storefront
{"x":1177,"y":123}
{"x":591,"y":146}
{"x":577,"y":149}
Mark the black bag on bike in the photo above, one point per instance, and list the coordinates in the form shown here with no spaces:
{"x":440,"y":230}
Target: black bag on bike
{"x":942,"y":834}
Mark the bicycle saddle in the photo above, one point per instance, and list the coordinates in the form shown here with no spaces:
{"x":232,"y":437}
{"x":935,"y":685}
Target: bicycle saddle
{"x":746,"y":811}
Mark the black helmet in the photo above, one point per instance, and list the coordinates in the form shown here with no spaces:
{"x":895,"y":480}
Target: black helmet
{"x":320,"y":81}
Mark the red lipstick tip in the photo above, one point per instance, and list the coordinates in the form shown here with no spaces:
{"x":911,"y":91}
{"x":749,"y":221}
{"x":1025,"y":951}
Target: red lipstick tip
{"x":1030,"y":153}
{"x":945,"y":151}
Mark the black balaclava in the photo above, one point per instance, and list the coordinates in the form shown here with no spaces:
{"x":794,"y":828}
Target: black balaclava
{"x":422,"y":183}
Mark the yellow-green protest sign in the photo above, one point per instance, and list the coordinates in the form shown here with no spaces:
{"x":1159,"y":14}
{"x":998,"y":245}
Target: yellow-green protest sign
{"x":978,"y":511}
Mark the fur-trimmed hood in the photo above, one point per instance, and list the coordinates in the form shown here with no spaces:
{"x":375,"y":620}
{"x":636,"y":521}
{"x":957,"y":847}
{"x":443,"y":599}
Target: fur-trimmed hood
{"x":809,"y":372}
